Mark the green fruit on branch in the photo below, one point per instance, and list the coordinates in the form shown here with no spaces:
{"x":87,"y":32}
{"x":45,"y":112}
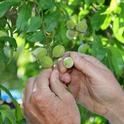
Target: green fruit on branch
{"x":71,"y":34}
{"x":46,"y":62}
{"x":82,"y":26}
{"x":81,"y":36}
{"x":58,"y":51}
{"x":68,"y":62}
{"x":42,"y":52}
{"x":70,"y":24}
{"x":39,"y":52}
{"x":83,"y":48}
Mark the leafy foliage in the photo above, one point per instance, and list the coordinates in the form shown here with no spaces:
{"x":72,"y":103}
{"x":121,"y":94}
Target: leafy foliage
{"x":94,"y":27}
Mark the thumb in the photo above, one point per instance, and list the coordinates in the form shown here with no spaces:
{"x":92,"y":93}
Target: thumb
{"x":82,"y":64}
{"x":56,"y":85}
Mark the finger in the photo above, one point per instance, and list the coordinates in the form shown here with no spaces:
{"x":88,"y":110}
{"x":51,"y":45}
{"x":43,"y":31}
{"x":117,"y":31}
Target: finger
{"x":66,"y":78}
{"x":89,"y":99}
{"x":31,"y":114}
{"x":56,"y":85}
{"x":83,"y":65}
{"x":94,"y":61}
{"x":76,"y":77}
{"x":60,"y":65}
{"x":79,"y":89}
{"x":28,"y":90}
{"x":42,"y":81}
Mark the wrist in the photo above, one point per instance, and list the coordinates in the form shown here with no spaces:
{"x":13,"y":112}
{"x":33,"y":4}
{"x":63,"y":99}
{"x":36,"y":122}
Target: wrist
{"x":116,"y":112}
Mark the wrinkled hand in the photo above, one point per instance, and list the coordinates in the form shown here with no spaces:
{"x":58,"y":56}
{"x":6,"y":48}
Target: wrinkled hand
{"x":47,"y":101}
{"x":92,"y":83}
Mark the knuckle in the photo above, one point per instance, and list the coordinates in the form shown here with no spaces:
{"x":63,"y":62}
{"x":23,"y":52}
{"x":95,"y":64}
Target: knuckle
{"x":36,"y":98}
{"x":27,"y":107}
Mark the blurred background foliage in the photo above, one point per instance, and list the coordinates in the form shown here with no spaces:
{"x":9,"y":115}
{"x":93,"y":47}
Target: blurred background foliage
{"x":94,"y":27}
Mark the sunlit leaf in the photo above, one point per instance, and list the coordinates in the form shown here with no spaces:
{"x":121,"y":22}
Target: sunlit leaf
{"x":117,"y":30}
{"x":98,"y":19}
{"x":106,"y":22}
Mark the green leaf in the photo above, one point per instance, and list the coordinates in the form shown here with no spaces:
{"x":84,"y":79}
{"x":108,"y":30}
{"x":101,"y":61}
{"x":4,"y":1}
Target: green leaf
{"x":117,"y":30}
{"x":2,"y":33}
{"x":45,"y":4}
{"x":5,"y":6}
{"x":97,"y":48}
{"x":3,"y":114}
{"x":83,"y":110}
{"x":116,"y":60}
{"x":10,"y":72}
{"x":36,"y":37}
{"x":3,"y":22}
{"x":116,"y":25}
{"x":11,"y":40}
{"x":2,"y":65}
{"x":113,"y":5}
{"x":3,"y":57}
{"x":61,"y":35}
{"x":23,"y":17}
{"x":100,"y":1}
{"x":34,"y":24}
{"x":106,"y":22}
{"x":8,"y":114}
{"x":88,"y":2}
{"x":11,"y":116}
{"x":4,"y":108}
{"x":122,"y":10}
{"x":98,"y":19}
{"x":16,"y":1}
{"x":1,"y":120}
{"x":51,"y":21}
{"x":7,"y":121}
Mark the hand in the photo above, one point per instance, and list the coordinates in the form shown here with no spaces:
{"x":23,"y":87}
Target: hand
{"x":93,"y":84}
{"x":47,"y":101}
